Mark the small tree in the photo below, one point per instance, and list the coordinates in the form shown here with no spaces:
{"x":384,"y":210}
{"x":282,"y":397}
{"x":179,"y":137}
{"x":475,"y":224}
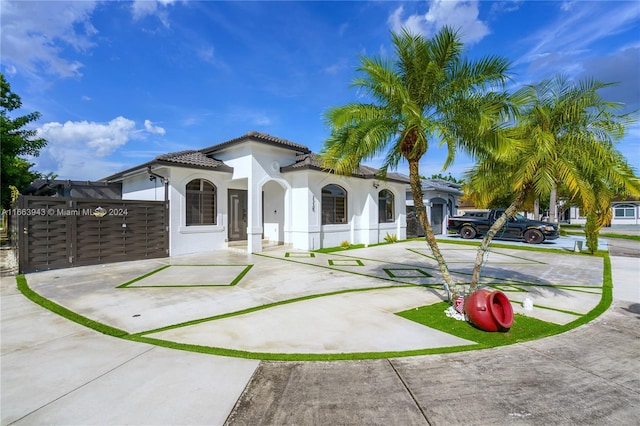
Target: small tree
{"x":16,"y":143}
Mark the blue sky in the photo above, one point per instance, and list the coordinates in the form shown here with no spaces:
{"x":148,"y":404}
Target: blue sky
{"x":118,"y":83}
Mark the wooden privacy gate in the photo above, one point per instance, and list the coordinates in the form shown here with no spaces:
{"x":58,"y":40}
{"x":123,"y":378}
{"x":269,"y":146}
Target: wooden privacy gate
{"x":54,"y":232}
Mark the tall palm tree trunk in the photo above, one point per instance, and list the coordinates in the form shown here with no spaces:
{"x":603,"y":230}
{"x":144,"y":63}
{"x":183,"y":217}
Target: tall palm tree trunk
{"x":423,"y":219}
{"x":483,"y":250}
{"x":553,"y":204}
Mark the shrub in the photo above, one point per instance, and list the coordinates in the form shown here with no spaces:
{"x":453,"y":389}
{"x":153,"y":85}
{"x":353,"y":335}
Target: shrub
{"x":391,"y":238}
{"x":345,"y":244}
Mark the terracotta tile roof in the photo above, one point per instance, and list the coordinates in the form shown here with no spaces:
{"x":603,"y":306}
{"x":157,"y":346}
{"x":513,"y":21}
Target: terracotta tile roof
{"x":312,"y":161}
{"x":203,"y":158}
{"x":262,"y":137}
{"x":308,"y":160}
{"x":191,"y":158}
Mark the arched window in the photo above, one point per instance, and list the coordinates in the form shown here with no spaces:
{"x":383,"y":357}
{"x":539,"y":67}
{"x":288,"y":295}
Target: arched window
{"x":385,"y":206}
{"x":624,"y":211}
{"x":201,"y":203}
{"x":334,"y":205}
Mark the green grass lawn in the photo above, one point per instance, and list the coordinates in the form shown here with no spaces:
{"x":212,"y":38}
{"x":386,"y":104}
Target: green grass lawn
{"x":523,"y":329}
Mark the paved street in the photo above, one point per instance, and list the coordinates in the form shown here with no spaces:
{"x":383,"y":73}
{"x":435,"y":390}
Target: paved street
{"x":623,"y":248}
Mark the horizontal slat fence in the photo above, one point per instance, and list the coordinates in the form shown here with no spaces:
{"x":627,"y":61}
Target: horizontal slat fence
{"x":62,"y":232}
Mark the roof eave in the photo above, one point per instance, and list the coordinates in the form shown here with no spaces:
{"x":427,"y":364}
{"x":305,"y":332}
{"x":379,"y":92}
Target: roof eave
{"x":254,"y":136}
{"x":291,"y":168}
{"x":125,"y":173}
{"x":221,"y":168}
{"x":143,"y":168}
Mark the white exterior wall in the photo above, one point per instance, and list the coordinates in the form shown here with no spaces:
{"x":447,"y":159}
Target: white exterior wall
{"x":362,"y":212}
{"x":288,"y":213}
{"x":139,"y":187}
{"x":575,"y":218}
{"x":185,"y":239}
{"x":303,"y":231}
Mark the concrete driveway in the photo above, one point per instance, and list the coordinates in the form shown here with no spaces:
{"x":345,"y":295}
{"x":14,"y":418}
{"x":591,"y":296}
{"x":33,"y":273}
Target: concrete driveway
{"x":57,"y":372}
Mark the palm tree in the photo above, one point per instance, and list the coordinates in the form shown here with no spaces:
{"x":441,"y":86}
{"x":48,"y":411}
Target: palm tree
{"x":427,"y":94}
{"x":566,"y":135}
{"x":614,"y":178}
{"x":565,"y":114}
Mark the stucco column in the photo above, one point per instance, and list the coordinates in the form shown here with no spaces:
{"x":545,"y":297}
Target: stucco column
{"x":254,"y":218}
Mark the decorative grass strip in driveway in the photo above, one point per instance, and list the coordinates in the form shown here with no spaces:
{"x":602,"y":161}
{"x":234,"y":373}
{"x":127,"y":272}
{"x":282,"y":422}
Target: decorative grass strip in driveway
{"x":190,"y":276}
{"x":341,"y":322}
{"x":373,"y":268}
{"x":406,"y":273}
{"x":299,"y":254}
{"x":345,"y":262}
{"x":280,"y":327}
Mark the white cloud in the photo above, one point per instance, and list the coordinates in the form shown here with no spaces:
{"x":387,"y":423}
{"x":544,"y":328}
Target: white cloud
{"x":260,"y":119}
{"x":208,"y":55}
{"x":576,"y":30}
{"x":567,"y":5}
{"x":506,"y":6}
{"x":336,"y":67}
{"x":33,"y":40}
{"x":459,"y":15}
{"x":153,"y":129}
{"x":98,"y":139}
{"x":143,"y":8}
{"x":10,"y":70}
{"x":80,"y":149}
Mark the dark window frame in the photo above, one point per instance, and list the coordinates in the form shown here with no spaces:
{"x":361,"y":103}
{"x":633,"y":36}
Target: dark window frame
{"x":386,"y":206}
{"x":624,"y":208}
{"x":195,"y":201}
{"x":334,"y":205}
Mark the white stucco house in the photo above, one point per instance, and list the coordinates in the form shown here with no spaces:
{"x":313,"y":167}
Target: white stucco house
{"x":625,"y":212}
{"x":441,"y":200}
{"x":259,"y":189}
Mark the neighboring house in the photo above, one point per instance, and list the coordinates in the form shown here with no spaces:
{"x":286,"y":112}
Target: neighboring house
{"x":441,"y":200}
{"x":74,"y":189}
{"x":625,"y":212}
{"x":259,"y":188}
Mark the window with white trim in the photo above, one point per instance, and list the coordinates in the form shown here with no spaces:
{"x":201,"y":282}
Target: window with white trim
{"x":385,"y":206}
{"x":334,"y":205}
{"x":624,"y":211}
{"x":201,"y":203}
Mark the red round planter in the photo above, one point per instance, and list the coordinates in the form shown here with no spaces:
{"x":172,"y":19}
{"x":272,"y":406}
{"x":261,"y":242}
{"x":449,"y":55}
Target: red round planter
{"x":489,"y":310}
